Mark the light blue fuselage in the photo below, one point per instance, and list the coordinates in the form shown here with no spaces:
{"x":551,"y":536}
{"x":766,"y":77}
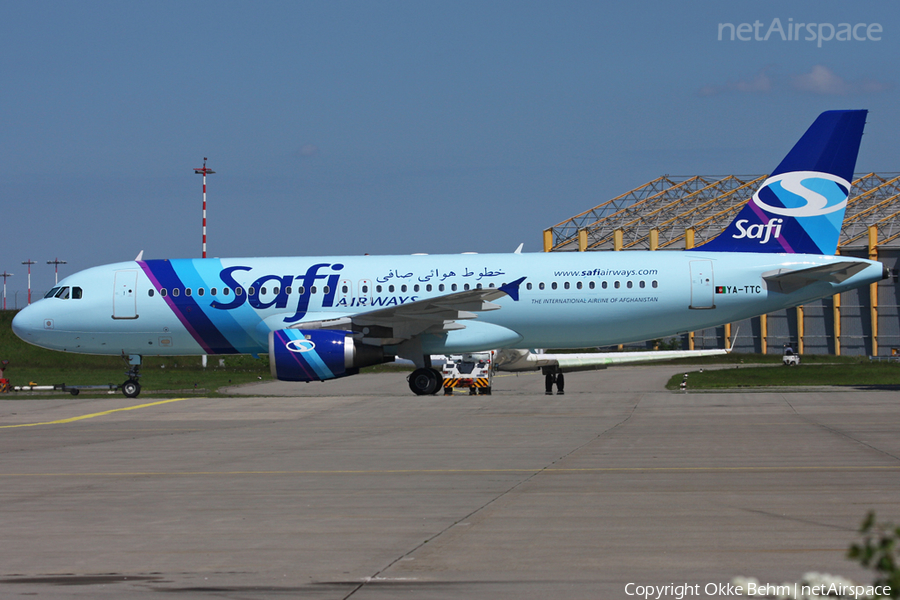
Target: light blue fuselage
{"x":567,"y":300}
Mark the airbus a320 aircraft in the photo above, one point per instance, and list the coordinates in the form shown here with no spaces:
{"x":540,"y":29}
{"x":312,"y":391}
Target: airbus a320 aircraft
{"x":325,"y":317}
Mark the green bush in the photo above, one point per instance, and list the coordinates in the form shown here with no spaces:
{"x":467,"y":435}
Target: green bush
{"x":880,"y":552}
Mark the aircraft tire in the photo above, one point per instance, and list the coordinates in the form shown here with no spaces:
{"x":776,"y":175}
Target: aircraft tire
{"x":131,"y":389}
{"x":425,"y":382}
{"x":439,"y":381}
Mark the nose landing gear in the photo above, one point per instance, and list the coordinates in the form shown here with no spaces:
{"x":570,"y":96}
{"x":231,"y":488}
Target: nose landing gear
{"x":131,"y":388}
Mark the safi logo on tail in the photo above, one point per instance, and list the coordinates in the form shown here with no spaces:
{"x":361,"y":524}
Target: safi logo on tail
{"x":800,"y":207}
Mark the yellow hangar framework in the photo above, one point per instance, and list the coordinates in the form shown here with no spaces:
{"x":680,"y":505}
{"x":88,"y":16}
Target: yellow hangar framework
{"x":677,"y":213}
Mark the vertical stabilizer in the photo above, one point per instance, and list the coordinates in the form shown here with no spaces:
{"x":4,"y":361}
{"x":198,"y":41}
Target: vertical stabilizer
{"x":800,"y":207}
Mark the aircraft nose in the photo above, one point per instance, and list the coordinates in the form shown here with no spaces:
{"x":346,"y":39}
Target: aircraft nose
{"x":26,"y":324}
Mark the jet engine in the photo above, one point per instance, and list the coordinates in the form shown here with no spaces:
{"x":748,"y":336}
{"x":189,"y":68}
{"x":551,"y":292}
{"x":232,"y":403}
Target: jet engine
{"x":319,"y":354}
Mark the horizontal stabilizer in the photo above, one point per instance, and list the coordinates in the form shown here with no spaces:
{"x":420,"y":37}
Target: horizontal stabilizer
{"x":786,"y":281}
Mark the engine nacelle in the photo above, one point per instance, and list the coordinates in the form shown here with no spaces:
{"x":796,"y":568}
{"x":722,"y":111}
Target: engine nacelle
{"x":319,"y":354}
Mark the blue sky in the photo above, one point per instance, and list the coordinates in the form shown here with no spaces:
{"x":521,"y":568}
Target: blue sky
{"x":395,"y":127}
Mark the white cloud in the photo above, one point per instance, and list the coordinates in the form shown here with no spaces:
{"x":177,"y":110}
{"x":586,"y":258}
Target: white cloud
{"x":822,"y":80}
{"x":819,"y":80}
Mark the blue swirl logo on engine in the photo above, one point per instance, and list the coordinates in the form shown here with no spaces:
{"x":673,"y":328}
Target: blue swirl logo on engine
{"x":300,"y":345}
{"x":803,"y":194}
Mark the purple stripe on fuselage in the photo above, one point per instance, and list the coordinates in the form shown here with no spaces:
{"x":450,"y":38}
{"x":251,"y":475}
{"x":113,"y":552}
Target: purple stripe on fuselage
{"x":192,"y":317}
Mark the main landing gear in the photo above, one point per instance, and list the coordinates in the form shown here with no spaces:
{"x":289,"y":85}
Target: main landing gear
{"x":426,"y":381}
{"x":551,"y":377}
{"x":131,"y":388}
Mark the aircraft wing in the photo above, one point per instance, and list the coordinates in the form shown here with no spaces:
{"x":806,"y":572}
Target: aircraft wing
{"x":525,"y":360}
{"x":395,"y":324}
{"x":787,"y":281}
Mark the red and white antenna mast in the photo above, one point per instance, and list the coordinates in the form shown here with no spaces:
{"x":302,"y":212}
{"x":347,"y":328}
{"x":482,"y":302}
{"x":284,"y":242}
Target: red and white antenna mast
{"x":56,"y":262}
{"x":204,"y":171}
{"x":4,"y":275}
{"x":29,"y":262}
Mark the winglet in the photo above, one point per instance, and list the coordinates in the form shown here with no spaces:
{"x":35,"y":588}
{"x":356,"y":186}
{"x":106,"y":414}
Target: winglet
{"x":519,"y":249}
{"x":140,"y":256}
{"x":733,"y":340}
{"x":512,"y":288}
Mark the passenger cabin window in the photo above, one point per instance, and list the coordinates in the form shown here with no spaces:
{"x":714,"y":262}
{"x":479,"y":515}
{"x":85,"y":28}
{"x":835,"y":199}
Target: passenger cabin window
{"x":150,"y":292}
{"x":163,"y":292}
{"x":591,"y":285}
{"x":200,"y":291}
{"x":175,"y":292}
{"x":653,"y":283}
{"x":187,"y":291}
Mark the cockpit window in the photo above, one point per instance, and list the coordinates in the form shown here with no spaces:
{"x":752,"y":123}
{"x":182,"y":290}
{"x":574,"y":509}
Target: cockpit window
{"x":64,"y":292}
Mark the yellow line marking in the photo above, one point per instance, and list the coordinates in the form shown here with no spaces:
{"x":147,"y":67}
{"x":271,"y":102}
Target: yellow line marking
{"x":459,"y":471}
{"x":91,"y":416}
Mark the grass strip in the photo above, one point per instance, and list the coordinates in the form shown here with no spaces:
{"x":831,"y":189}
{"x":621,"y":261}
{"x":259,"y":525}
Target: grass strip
{"x":874,"y":374}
